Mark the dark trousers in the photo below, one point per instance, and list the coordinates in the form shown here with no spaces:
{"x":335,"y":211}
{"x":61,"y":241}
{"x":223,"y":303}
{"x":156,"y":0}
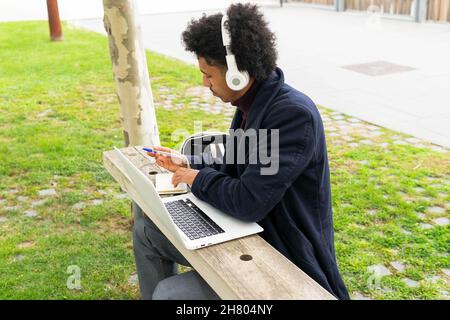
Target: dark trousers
{"x":157,"y":262}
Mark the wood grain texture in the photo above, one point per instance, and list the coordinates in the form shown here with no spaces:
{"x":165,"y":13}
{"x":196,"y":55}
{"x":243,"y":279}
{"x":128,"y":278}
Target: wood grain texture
{"x":246,"y":268}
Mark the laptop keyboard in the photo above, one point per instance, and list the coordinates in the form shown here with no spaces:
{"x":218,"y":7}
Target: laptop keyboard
{"x":191,"y":220}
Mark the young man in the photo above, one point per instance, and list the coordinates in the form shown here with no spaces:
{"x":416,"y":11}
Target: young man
{"x":292,"y":204}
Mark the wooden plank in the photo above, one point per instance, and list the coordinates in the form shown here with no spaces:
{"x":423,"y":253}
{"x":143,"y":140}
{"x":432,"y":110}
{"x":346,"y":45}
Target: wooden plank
{"x":389,"y":7}
{"x":430,"y":9}
{"x":267,"y":275}
{"x":318,"y":2}
{"x":448,"y":12}
{"x":437,"y":4}
{"x":444,"y":10}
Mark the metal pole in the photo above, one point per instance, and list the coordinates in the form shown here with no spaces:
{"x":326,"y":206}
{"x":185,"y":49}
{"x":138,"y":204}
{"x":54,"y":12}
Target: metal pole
{"x":339,"y":5}
{"x":54,"y":21}
{"x":421,"y":10}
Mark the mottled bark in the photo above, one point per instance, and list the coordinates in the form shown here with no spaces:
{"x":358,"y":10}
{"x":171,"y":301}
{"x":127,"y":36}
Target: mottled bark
{"x":137,"y":112}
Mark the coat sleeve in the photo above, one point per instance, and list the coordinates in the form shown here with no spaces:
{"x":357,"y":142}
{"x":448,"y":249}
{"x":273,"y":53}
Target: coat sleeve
{"x":253,"y":195}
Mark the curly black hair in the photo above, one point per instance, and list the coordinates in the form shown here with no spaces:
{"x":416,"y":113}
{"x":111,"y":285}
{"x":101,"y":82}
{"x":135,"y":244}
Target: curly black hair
{"x":252,"y":42}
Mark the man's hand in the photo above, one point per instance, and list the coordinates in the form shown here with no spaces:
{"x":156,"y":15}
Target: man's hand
{"x":166,"y":161}
{"x":184,"y":175}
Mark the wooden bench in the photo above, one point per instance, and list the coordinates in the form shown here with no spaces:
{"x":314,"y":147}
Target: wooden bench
{"x":247,"y":268}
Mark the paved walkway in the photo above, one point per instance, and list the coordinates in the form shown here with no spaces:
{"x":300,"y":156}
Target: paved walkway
{"x":396,"y":75}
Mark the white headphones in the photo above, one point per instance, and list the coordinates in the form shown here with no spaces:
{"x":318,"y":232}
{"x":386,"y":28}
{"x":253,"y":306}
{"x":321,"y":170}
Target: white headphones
{"x":236,"y":80}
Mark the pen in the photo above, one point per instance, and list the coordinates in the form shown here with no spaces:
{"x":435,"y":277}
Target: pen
{"x":163,"y":152}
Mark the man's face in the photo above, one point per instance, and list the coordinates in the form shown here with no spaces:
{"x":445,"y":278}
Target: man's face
{"x":214,"y":79}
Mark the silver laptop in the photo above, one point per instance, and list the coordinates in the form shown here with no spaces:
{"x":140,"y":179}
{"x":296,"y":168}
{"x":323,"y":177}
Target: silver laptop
{"x":192,"y":221}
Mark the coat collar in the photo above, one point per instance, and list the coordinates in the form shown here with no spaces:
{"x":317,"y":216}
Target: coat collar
{"x":244,"y":103}
{"x":269,"y":88}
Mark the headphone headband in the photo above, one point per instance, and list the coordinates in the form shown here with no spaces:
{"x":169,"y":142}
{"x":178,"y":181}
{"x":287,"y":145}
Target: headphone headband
{"x":236,"y":80}
{"x":226,"y":40}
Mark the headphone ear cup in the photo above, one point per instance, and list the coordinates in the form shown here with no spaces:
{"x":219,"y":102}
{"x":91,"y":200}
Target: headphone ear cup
{"x":237,"y":80}
{"x":246,"y":77}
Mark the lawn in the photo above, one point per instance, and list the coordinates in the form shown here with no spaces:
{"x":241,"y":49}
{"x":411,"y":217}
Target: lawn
{"x":59,"y":208}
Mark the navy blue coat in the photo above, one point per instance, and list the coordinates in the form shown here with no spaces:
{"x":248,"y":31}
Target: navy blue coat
{"x":293,"y":205}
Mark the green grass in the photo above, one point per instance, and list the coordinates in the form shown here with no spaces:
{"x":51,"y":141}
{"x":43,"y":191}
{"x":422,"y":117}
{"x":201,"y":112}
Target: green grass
{"x":58,"y":112}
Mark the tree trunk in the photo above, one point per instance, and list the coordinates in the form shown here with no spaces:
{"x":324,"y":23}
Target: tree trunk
{"x":137,"y":113}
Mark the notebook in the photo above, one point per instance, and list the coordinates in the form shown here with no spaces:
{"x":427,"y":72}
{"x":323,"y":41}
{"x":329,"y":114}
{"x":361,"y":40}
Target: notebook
{"x":163,"y":184}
